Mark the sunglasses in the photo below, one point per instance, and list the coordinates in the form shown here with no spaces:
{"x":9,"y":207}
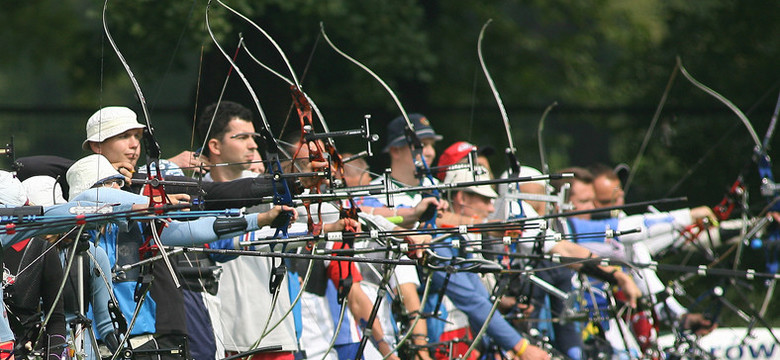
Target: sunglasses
{"x":111,"y":182}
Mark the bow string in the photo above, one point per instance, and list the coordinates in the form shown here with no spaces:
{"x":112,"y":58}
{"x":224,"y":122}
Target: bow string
{"x":769,"y":189}
{"x":154,"y":187}
{"x":415,"y":145}
{"x":304,"y":107}
{"x":423,"y":170}
{"x":282,"y":194}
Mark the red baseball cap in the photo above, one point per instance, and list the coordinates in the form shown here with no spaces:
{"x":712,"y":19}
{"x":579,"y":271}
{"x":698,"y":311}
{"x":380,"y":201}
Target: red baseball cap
{"x":452,"y":155}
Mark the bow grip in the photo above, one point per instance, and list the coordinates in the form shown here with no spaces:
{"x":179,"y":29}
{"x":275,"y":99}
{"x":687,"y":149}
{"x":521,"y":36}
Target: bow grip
{"x":277,"y":275}
{"x":428,"y":214}
{"x":282,"y":222}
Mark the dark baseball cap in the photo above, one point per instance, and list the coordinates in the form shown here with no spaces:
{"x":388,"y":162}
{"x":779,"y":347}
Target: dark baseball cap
{"x":396,"y":130}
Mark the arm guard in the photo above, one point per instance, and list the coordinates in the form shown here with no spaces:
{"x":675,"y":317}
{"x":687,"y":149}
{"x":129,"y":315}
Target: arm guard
{"x":224,"y":226}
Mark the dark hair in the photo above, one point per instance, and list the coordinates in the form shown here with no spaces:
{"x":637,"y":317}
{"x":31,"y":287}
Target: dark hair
{"x":599,"y":170}
{"x":226,"y":112}
{"x":355,"y":167}
{"x":580,"y":174}
{"x":290,"y":141}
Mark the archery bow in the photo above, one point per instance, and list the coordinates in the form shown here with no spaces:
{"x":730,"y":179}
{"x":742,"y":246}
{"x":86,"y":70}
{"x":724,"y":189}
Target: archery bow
{"x":304,"y":110}
{"x":514,"y":164}
{"x":656,"y":116}
{"x":336,"y":161}
{"x":415,"y":146}
{"x":282,"y":194}
{"x":542,"y":153}
{"x":154,"y":189}
{"x":768,"y":188}
{"x":412,"y":140}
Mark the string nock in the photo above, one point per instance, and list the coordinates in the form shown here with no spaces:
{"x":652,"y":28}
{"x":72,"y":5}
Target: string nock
{"x":10,"y":229}
{"x":750,"y":274}
{"x":374,"y":234}
{"x":456,"y":243}
{"x":463,"y":229}
{"x":506,"y":240}
{"x":653,"y":265}
{"x":403,"y":247}
{"x":543,"y":225}
{"x":556,"y":258}
{"x":557,"y":236}
{"x":604,"y":262}
{"x":335,"y":236}
{"x":702,"y":270}
{"x":609,"y":233}
{"x":81,"y":219}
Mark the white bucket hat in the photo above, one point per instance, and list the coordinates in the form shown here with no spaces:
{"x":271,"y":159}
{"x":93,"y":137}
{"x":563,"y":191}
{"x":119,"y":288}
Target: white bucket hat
{"x":464,"y":175}
{"x":43,"y":191}
{"x":11,"y":190}
{"x":88,"y":171}
{"x":110,"y":121}
{"x":525,"y":171}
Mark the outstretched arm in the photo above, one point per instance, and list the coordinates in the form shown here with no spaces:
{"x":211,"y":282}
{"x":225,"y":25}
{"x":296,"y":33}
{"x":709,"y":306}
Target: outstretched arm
{"x":570,"y":249}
